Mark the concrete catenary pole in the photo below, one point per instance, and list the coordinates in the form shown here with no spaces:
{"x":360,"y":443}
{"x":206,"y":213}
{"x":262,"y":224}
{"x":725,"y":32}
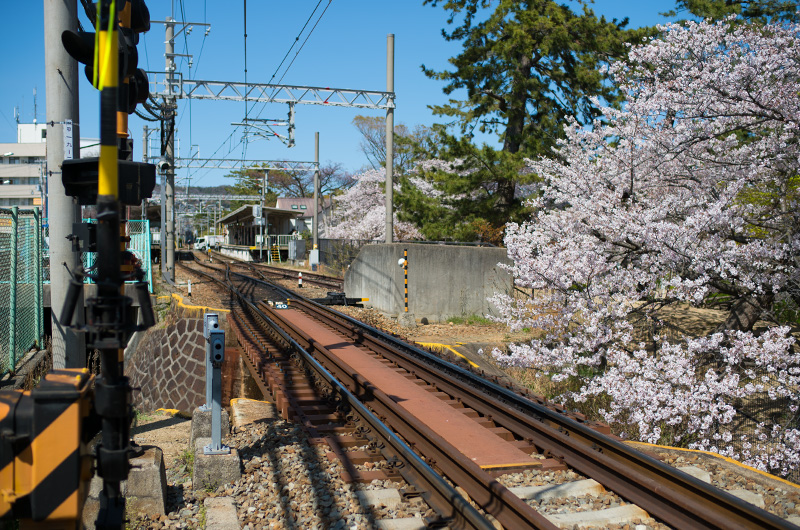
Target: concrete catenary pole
{"x":170,"y":153}
{"x":315,"y":221}
{"x":389,"y":140}
{"x":144,"y":159}
{"x":261,"y":225}
{"x":63,"y":133}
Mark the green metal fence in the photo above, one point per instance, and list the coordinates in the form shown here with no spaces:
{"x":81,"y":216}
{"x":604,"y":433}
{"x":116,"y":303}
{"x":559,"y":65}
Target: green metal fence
{"x":139,"y":232}
{"x":139,"y":245}
{"x":21,"y":271}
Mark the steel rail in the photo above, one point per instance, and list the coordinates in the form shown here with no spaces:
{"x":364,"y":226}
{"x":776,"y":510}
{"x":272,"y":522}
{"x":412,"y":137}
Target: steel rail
{"x":509,"y":510}
{"x":668,"y":494}
{"x":289,"y":274}
{"x":318,"y":279}
{"x":435,"y":490}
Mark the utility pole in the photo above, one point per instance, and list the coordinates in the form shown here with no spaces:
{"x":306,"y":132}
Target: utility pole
{"x":389,"y":140}
{"x":260,"y":220}
{"x":170,"y":105}
{"x":316,"y":191}
{"x":63,"y":132}
{"x":144,"y":159}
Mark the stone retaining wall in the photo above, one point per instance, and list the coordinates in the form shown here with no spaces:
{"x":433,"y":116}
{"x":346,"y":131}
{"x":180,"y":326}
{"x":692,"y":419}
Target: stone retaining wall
{"x":168,"y":366}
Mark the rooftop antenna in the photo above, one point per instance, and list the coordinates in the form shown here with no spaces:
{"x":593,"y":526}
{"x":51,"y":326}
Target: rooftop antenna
{"x":16,"y":114}
{"x":34,"y":105}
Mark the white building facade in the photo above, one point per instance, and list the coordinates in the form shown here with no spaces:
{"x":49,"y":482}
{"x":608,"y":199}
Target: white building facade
{"x":23,"y":172}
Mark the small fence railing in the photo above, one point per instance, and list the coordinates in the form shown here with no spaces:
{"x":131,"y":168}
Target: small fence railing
{"x":21,"y":295}
{"x":140,"y":243}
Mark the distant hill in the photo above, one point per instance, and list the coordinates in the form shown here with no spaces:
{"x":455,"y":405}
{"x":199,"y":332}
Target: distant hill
{"x":197,"y":190}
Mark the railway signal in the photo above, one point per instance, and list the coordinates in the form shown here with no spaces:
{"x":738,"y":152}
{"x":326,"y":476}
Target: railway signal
{"x":45,"y":467}
{"x":136,"y":179}
{"x":106,"y":181}
{"x":85,"y":47}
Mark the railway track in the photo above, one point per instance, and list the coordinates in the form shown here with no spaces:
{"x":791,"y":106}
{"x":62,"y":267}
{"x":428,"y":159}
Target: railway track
{"x":336,"y":377}
{"x":321,"y":280}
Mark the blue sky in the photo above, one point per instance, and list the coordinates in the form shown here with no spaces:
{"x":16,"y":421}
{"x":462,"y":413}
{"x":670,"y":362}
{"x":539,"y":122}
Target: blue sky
{"x":347,"y":49}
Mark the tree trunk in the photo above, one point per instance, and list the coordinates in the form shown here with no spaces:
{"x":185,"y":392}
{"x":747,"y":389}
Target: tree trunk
{"x":745,"y":312}
{"x":516,"y":115}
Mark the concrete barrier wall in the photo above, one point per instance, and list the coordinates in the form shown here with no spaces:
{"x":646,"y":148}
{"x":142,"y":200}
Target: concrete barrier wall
{"x":444,"y":281}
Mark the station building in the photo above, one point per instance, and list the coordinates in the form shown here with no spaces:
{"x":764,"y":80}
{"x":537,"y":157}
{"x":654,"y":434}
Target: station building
{"x":242,"y":233}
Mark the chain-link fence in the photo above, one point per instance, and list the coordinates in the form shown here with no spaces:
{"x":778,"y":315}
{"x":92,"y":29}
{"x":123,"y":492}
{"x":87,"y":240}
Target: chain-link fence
{"x":757,"y":413}
{"x":139,"y":232}
{"x":21,"y":270}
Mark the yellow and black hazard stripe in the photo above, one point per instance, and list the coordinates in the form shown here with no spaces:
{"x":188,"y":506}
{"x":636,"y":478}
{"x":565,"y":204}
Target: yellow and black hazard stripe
{"x":405,"y":279}
{"x":45,"y":465}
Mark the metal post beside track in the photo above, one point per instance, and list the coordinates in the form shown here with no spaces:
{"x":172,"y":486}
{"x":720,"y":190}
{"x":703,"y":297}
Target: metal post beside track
{"x":210,"y":322}
{"x":405,"y":277}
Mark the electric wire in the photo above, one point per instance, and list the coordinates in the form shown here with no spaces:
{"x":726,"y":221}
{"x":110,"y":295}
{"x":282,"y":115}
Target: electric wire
{"x":234,"y":131}
{"x":298,"y":52}
{"x":295,"y":41}
{"x":189,"y":65}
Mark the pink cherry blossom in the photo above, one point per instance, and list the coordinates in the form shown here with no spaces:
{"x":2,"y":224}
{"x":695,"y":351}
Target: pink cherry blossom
{"x":688,"y":191}
{"x":360,"y":213}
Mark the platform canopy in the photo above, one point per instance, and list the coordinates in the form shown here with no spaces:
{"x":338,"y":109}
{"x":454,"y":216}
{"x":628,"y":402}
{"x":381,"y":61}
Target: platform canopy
{"x":245,"y":214}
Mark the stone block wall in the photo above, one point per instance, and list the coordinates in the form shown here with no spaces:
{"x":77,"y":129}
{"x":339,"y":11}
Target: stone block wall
{"x":169,"y":366}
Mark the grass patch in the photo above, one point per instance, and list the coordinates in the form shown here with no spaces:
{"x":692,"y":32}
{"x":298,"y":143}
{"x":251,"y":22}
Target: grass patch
{"x":471,"y":320}
{"x":186,"y":461}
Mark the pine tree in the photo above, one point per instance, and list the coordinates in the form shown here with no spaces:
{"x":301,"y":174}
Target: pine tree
{"x":525,"y":69}
{"x":757,"y":11}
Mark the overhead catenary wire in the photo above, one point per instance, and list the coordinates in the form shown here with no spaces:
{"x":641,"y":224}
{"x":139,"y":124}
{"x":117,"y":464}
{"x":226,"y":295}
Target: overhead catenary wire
{"x":230,"y":136}
{"x":297,"y":53}
{"x":244,"y":145}
{"x":295,"y":41}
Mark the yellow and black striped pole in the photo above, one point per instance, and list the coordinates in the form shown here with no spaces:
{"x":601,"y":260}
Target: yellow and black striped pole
{"x":405,"y":277}
{"x":112,"y":399}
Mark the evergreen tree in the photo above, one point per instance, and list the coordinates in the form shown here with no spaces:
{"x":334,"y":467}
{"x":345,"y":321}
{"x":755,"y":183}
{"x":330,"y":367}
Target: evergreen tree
{"x":525,"y":68}
{"x":758,"y":11}
{"x":249,"y":181}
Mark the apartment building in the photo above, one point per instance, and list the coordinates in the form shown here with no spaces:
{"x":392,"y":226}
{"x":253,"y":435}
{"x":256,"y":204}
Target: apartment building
{"x":22,"y":167}
{"x":23,"y":175}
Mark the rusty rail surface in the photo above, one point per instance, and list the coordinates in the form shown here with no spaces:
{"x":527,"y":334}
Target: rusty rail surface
{"x":490,"y":495}
{"x":456,"y":511}
{"x":321,"y":280}
{"x":668,"y":494}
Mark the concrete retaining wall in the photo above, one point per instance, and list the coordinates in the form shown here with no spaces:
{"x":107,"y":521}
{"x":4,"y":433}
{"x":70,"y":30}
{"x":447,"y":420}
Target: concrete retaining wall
{"x":444,"y":281}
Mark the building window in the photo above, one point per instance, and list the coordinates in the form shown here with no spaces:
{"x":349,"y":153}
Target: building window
{"x":302,"y":206}
{"x":294,"y":207}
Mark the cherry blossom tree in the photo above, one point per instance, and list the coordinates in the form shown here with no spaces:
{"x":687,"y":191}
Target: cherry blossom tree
{"x":686,"y":195}
{"x":360,"y":213}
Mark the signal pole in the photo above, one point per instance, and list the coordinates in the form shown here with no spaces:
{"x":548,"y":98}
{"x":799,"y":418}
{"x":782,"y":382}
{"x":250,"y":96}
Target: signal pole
{"x":63,"y":132}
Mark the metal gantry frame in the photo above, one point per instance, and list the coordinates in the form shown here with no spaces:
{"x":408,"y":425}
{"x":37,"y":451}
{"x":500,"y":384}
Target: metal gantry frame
{"x":170,"y":86}
{"x":223,"y":163}
{"x":267,"y":93}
